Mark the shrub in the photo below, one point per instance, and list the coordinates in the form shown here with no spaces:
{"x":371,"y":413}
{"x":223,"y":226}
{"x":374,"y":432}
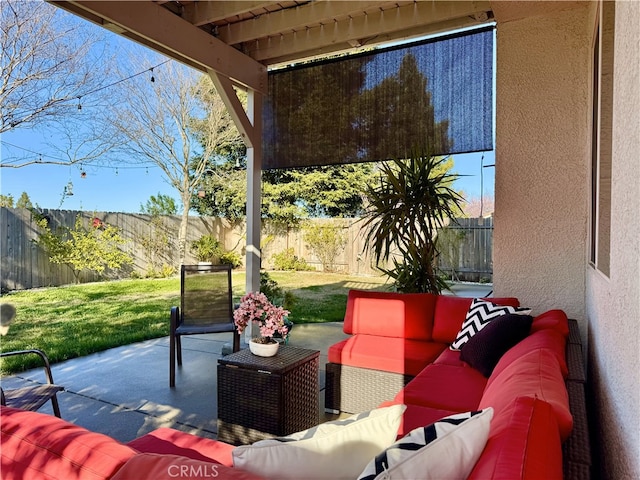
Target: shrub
{"x":231,"y":258}
{"x":206,"y":248}
{"x":287,"y":260}
{"x":326,"y":242}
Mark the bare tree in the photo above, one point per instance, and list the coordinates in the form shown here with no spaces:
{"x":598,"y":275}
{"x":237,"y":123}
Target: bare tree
{"x":46,"y":66}
{"x":178,"y":123}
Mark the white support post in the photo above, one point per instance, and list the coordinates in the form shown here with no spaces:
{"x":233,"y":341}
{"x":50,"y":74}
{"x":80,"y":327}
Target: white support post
{"x":249,"y":124}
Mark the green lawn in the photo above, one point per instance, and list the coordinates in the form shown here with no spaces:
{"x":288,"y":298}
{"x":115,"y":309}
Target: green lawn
{"x":74,"y":321}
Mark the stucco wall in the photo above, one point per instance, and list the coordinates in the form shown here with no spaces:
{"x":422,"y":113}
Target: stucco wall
{"x":543,"y":155}
{"x":613,"y":303}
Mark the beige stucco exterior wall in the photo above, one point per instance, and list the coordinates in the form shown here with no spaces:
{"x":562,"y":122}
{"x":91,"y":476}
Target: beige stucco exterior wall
{"x":613,"y":303}
{"x":543,"y":112}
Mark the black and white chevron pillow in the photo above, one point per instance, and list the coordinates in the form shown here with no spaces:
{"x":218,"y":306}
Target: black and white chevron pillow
{"x":479,"y":315}
{"x":448,"y":448}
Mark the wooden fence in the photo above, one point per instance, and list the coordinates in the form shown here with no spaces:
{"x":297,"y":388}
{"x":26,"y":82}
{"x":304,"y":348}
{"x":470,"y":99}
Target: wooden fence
{"x":152,"y":243}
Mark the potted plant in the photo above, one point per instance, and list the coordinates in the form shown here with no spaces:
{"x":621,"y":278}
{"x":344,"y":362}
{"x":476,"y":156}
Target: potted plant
{"x":255,"y":308}
{"x":411,"y":200}
{"x":206,"y":249}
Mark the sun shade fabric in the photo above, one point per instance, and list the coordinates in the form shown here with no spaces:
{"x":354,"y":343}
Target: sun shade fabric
{"x":381,"y":105}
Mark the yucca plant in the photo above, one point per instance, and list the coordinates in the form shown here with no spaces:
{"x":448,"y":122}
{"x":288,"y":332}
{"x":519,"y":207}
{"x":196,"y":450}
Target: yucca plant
{"x":408,"y":203}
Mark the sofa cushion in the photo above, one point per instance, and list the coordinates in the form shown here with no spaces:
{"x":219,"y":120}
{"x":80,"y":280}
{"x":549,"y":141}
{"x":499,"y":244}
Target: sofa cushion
{"x":485,"y":348}
{"x":36,"y":445}
{"x":405,"y":315}
{"x":548,"y":339}
{"x":153,"y":466}
{"x":479,"y":315}
{"x":535,"y":374}
{"x":451,"y":311}
{"x":448,"y":448}
{"x":458,"y":389}
{"x":389,"y":354}
{"x":553,"y":319}
{"x":174,"y":442}
{"x":417,"y":416}
{"x":349,"y":443}
{"x":450,"y":357}
{"x":523,"y":444}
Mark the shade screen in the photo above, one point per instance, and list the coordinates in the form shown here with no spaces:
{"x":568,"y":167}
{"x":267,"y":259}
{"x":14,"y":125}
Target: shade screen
{"x":436,"y":96}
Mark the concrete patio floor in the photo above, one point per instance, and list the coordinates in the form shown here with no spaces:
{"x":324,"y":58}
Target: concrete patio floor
{"x":124,"y":392}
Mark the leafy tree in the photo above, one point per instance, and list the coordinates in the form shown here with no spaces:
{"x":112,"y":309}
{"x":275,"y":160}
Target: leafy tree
{"x":326,"y":242}
{"x":80,"y":248}
{"x":399,"y":116}
{"x":159,"y":205}
{"x":24,"y":201}
{"x":6,"y":200}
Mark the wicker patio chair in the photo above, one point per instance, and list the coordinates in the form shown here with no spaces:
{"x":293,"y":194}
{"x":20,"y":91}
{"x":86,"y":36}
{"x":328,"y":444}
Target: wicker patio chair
{"x":32,"y":397}
{"x":206,"y":306}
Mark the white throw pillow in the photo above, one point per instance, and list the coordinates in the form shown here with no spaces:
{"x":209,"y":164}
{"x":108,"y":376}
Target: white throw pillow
{"x":447,"y":449}
{"x":331,"y":450}
{"x":479,"y":315}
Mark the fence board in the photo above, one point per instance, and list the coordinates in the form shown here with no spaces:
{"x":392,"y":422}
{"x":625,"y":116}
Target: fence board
{"x":25,"y":265}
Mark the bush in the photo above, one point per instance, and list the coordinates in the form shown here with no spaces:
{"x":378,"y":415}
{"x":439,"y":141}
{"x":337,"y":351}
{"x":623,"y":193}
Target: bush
{"x":231,"y":258}
{"x":286,"y":260}
{"x":326,"y":242}
{"x":206,"y":248}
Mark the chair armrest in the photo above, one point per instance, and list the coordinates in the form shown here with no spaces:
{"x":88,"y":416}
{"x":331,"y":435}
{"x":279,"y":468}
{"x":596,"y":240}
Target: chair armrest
{"x":40,"y":353}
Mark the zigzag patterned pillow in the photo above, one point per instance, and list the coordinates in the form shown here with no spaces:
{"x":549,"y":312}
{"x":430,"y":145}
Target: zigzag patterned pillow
{"x":479,"y":315}
{"x":448,"y":448}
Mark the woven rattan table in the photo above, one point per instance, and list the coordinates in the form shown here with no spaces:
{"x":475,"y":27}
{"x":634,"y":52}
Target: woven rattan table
{"x":262,"y":397}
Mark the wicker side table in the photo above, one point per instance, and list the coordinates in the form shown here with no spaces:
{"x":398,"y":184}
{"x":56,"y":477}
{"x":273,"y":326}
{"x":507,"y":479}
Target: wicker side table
{"x":262,"y":397}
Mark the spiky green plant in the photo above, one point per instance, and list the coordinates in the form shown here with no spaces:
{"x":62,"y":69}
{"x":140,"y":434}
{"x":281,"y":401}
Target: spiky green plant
{"x":408,"y":203}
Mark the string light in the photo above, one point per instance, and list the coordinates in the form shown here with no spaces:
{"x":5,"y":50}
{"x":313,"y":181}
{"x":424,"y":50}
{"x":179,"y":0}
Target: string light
{"x":153,"y":79}
{"x":79,"y":104}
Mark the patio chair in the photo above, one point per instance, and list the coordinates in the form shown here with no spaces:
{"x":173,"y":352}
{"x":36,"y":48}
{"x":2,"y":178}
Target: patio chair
{"x":206,"y":306}
{"x":32,"y":397}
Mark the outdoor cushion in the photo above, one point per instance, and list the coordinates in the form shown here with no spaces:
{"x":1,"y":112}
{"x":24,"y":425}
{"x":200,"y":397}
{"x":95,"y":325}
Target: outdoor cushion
{"x":448,"y":448}
{"x":535,"y":374}
{"x":450,"y":357}
{"x":332,"y":450}
{"x":405,"y":315}
{"x":458,"y":389}
{"x":37,"y":445}
{"x":486,"y":347}
{"x":417,"y":416}
{"x":175,"y":442}
{"x":153,"y":466}
{"x":390,"y":354}
{"x":555,"y":319}
{"x":479,"y":315}
{"x":524,"y":444}
{"x":548,"y":339}
{"x":451,"y":311}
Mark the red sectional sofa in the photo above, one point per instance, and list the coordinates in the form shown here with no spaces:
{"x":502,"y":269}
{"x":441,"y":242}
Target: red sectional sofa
{"x":536,"y":390}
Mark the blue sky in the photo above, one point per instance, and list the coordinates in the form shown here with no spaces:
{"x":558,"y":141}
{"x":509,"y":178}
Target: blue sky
{"x":125,"y":188}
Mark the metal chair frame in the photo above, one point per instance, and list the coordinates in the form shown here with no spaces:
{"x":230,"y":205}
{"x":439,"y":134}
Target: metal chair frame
{"x":178,"y":328}
{"x":32,"y":397}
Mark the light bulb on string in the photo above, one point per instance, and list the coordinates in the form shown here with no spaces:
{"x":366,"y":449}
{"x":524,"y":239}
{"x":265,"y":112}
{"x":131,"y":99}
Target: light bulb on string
{"x":79,"y":104}
{"x":153,"y":79}
{"x":116,"y":171}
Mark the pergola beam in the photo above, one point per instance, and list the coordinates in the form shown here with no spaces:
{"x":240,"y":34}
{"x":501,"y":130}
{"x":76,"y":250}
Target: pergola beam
{"x":158,"y":28}
{"x":400,"y":22}
{"x":201,"y":13}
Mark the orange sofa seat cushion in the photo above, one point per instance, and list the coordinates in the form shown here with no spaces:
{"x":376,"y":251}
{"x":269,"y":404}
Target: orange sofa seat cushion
{"x":403,"y":315}
{"x":535,"y":374}
{"x":524,"y":444}
{"x":389,"y":354}
{"x":447,"y":387}
{"x":36,"y":445}
{"x":174,"y":442}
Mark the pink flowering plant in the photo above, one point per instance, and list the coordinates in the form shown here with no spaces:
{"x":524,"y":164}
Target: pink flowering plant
{"x":256,"y":307}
